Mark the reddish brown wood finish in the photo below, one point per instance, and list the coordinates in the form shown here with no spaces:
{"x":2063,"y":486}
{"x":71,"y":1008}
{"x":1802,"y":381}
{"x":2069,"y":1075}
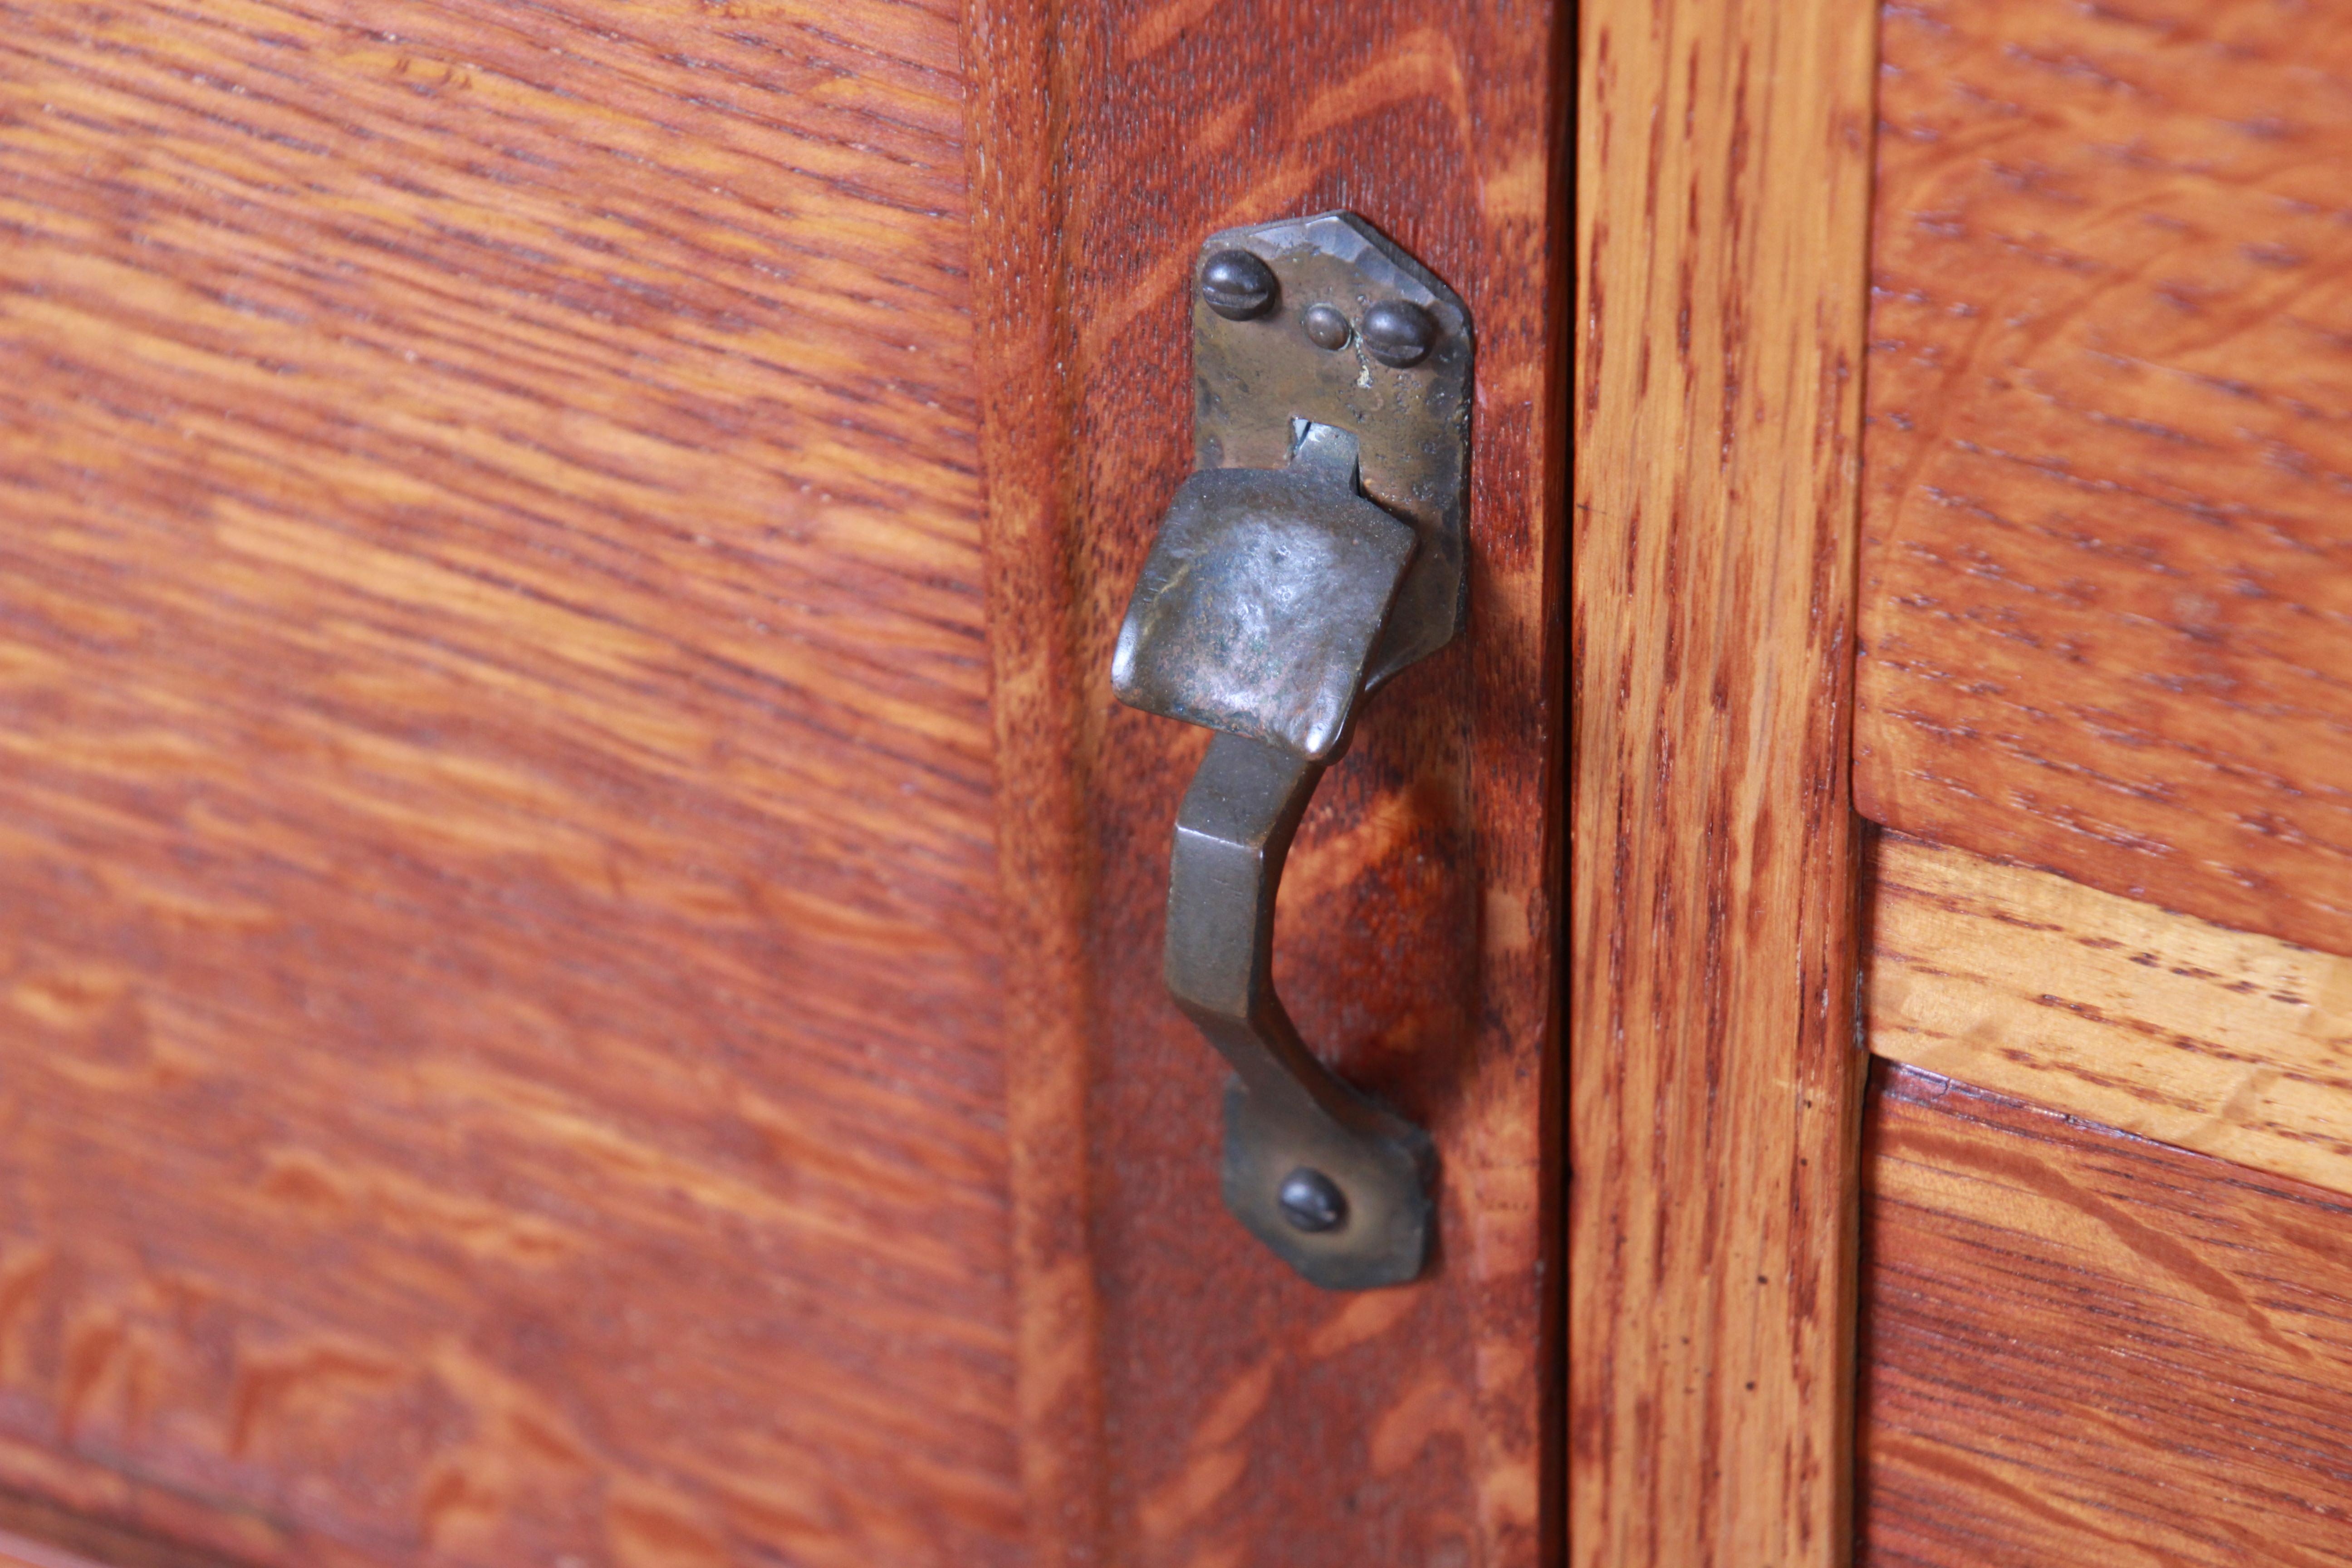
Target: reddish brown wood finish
{"x":500,"y":971}
{"x":495,"y":892}
{"x":2106,"y":579}
{"x":1043,"y":701}
{"x":23,"y":1552}
{"x":38,"y":1533}
{"x":1721,"y":217}
{"x":1246,"y":1417}
{"x":2081,"y":1347}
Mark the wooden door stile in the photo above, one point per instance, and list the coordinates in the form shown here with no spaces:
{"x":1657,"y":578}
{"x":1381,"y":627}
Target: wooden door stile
{"x":1018,"y":68}
{"x":1162,"y":1347}
{"x":1722,"y":212}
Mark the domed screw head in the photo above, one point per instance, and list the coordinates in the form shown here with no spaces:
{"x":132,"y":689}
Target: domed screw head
{"x":1326,"y":327}
{"x":1311,"y":1201}
{"x":1238,"y":285}
{"x":1399,"y":332}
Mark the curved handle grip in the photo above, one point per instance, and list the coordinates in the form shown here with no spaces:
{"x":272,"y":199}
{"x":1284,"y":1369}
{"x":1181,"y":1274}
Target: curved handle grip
{"x":1315,"y":551}
{"x":1334,"y":1182}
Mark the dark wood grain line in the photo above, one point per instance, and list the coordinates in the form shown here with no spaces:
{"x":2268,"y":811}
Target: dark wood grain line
{"x":35,"y":1532}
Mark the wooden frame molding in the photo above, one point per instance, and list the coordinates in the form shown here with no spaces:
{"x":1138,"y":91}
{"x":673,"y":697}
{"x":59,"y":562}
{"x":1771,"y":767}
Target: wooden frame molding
{"x":1722,"y":216}
{"x":1018,"y":113}
{"x":2157,"y":1023}
{"x":1302,"y":1415}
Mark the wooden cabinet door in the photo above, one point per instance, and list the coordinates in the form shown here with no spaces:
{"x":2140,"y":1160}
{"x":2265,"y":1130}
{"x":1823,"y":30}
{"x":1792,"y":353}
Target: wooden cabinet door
{"x":579,"y":932}
{"x":1964,"y":1166}
{"x":2102,"y":706}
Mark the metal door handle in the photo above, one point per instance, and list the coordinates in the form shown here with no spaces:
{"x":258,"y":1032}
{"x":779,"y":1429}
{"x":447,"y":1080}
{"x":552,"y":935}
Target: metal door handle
{"x":1276,"y":595}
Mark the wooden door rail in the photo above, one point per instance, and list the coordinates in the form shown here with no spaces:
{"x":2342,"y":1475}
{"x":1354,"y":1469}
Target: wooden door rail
{"x":2158,"y":1024}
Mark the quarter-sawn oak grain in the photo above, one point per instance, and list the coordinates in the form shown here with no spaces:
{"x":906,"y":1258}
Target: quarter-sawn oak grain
{"x":1238,"y":1416}
{"x":500,"y":971}
{"x":2155,"y":1023}
{"x":2080,"y":1347}
{"x":505,"y":948}
{"x":1722,"y":204}
{"x":2107,"y":582}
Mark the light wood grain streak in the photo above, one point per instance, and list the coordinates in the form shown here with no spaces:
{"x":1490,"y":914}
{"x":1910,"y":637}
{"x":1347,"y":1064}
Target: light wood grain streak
{"x":2081,"y":1347}
{"x":2158,"y":1024}
{"x":2106,"y":579}
{"x":1722,"y":202}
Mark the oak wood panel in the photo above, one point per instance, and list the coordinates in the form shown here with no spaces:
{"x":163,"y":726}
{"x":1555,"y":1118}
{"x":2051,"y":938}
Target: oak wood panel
{"x":1245,"y":1418}
{"x":1722,"y":202}
{"x":2157,"y":1023}
{"x":496,"y":913}
{"x":2107,"y":580}
{"x":2079,"y":1346}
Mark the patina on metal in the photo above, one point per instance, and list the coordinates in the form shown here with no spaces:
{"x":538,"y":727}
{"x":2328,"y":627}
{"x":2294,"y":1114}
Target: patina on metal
{"x":1236,"y":285}
{"x":1261,"y":601}
{"x":1315,"y":551}
{"x":1253,"y":387}
{"x":1326,"y":326}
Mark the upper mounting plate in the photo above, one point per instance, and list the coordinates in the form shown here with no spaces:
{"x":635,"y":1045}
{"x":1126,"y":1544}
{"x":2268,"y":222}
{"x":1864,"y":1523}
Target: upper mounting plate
{"x":1256,"y":379}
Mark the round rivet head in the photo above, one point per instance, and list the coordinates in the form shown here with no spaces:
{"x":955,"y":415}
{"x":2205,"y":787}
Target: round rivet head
{"x":1311,"y":1201}
{"x":1399,"y":332}
{"x":1238,"y":285}
{"x":1326,"y":327}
